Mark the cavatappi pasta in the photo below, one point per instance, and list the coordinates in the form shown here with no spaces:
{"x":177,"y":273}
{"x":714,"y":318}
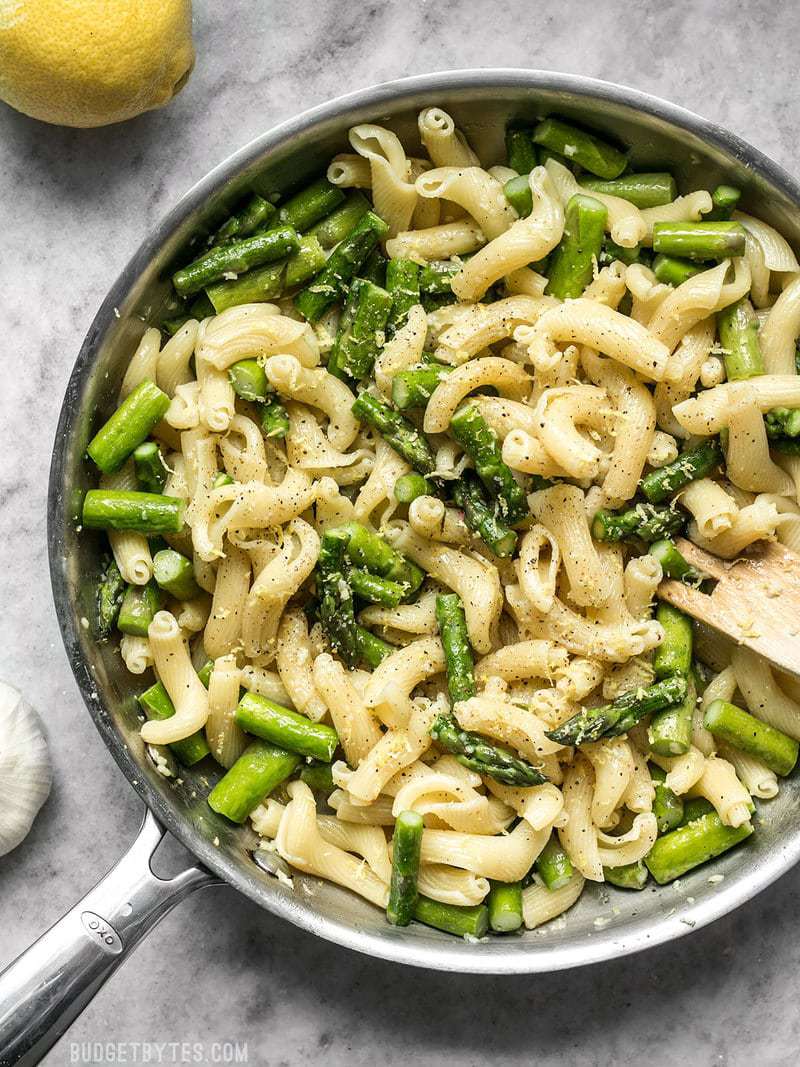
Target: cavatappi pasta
{"x":404,"y":477}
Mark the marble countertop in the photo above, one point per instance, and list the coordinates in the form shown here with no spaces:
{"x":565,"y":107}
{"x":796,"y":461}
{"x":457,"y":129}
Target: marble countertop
{"x":74,"y":205}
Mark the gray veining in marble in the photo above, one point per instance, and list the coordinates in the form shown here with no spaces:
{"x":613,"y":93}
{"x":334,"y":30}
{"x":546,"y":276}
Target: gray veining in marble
{"x":73,"y":207}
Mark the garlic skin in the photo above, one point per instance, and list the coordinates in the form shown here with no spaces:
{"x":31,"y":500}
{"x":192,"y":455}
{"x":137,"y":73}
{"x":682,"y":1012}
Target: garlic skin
{"x":25,"y":770}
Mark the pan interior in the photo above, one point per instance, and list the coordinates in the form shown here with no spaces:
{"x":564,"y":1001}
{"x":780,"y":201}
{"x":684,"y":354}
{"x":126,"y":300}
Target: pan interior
{"x":606,"y":922}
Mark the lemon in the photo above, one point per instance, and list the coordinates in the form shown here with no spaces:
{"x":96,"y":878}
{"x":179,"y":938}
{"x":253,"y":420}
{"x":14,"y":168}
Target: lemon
{"x":93,"y":62}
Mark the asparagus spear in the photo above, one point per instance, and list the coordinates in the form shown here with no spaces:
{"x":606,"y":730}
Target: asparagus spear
{"x":204,"y":674}
{"x":479,"y":441}
{"x":673,"y":271}
{"x":520,"y":149}
{"x":611,"y":251}
{"x":630,"y":876}
{"x":673,"y":563}
{"x":270,"y":721}
{"x":201,"y":307}
{"x":259,"y":769}
{"x":620,"y":715}
{"x":256,"y":214}
{"x":156,"y":704}
{"x":670,"y":730}
{"x":505,"y":906}
{"x":128,"y":426}
{"x":174,"y":573}
{"x":647,"y":521}
{"x":414,"y":388}
{"x":249,"y":380}
{"x":574,"y":261}
{"x":643,"y":190}
{"x":335,"y":596}
{"x":695,"y":808}
{"x":311,"y":204}
{"x":699,"y":240}
{"x":435,"y":277}
{"x":724,"y":199}
{"x":553,"y":865}
{"x":482,"y":756}
{"x":341,"y":222}
{"x":319,"y":777}
{"x":253,"y":287}
{"x":402,"y":281}
{"x":406,"y":847}
{"x":457,"y":649}
{"x":578,"y":146}
{"x":701,"y":676}
{"x":687,"y":847}
{"x":398,"y":432}
{"x":121,"y":509}
{"x":744,"y":731}
{"x":151,"y":471}
{"x":518,"y":193}
{"x":462,"y":922}
{"x":661,"y":484}
{"x":376,"y":590}
{"x":371,"y":649}
{"x":270,"y":281}
{"x":343,"y":327}
{"x":236,"y":257}
{"x":674,"y":654}
{"x":409,"y":486}
{"x":138,"y":607}
{"x":738,"y":335}
{"x":374,"y":269}
{"x":173,"y":323}
{"x":108,"y":598}
{"x":366,"y":549}
{"x":341,"y":267}
{"x":787,"y":446}
{"x":362,"y":332}
{"x":308,"y":260}
{"x":783,"y":422}
{"x":480,"y":515}
{"x":274,"y":418}
{"x":667,"y":806}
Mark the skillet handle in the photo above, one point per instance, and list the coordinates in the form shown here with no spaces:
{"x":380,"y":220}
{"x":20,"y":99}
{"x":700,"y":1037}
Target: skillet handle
{"x":46,"y":988}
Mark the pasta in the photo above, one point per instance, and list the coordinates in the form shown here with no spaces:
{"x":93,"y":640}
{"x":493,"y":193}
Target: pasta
{"x":587,"y":322}
{"x":475,"y":190}
{"x":226,"y":739}
{"x":515,"y":245}
{"x":694,"y":299}
{"x":393,"y":194}
{"x":130,"y":549}
{"x":136,"y":653}
{"x":485,"y":324}
{"x":172,"y":363}
{"x":412,"y":503}
{"x":446,"y":145}
{"x":437,"y":242}
{"x":144,"y":362}
{"x":625,"y":222}
{"x":561,"y":510}
{"x":189,"y":697}
{"x":389,"y":689}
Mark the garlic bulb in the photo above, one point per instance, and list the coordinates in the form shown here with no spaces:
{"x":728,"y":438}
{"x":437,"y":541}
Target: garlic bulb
{"x":25,"y":771}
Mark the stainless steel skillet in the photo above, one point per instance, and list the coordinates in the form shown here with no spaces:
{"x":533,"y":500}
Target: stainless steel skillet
{"x":49,"y":985}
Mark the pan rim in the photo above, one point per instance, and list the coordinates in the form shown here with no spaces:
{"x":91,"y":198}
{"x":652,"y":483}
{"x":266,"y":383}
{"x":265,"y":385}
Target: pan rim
{"x":447,"y":955}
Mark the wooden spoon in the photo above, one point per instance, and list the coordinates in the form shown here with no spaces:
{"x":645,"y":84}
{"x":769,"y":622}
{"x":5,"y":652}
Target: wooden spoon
{"x":756,"y":599}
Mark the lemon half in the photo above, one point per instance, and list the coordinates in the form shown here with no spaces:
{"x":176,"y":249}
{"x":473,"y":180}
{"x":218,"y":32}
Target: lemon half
{"x":93,"y":62}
